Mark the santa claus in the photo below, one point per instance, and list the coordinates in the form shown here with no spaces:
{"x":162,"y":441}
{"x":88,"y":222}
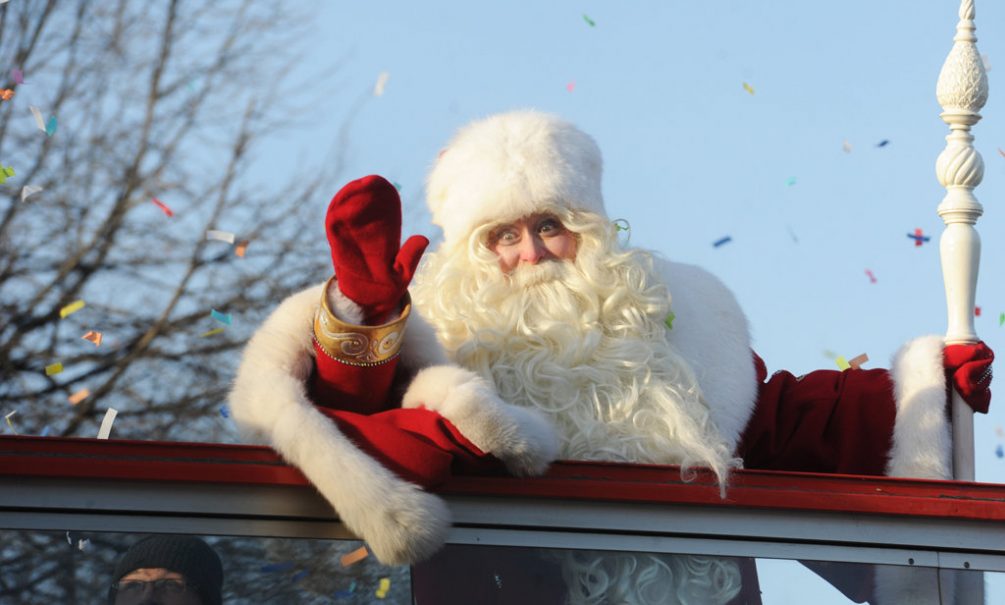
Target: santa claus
{"x":552,"y":323}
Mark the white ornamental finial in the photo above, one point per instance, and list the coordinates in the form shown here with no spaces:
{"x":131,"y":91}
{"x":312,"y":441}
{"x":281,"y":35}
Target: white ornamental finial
{"x":962,"y":91}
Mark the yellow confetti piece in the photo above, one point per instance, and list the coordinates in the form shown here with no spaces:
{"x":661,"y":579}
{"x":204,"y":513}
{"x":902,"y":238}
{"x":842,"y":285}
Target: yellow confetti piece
{"x":383,"y":587}
{"x":79,"y":396}
{"x":748,"y":88}
{"x":857,"y":361}
{"x":241,"y":247}
{"x":354,"y":557}
{"x":71,"y":308}
{"x":94,"y":337}
{"x":9,"y":423}
{"x":53,"y":369}
{"x":212,"y":332}
{"x":842,"y":363}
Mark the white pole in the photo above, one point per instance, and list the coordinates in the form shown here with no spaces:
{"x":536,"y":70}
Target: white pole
{"x":962,"y":91}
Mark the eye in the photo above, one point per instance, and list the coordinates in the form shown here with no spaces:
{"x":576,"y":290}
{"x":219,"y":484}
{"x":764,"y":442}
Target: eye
{"x":506,"y":235}
{"x":550,"y":226}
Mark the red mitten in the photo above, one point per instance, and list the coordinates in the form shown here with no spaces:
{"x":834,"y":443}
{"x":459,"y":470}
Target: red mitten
{"x":968,"y":368}
{"x":364,"y":231}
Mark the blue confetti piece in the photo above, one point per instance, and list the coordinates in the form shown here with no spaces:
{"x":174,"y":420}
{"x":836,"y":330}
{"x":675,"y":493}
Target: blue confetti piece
{"x":300,"y":575}
{"x":999,"y":451}
{"x":223,"y":318}
{"x":722,"y":241}
{"x":50,"y":126}
{"x":883,"y":143}
{"x":45,"y":431}
{"x":791,"y":181}
{"x":277,"y":567}
{"x":343,"y":594}
{"x":224,"y":412}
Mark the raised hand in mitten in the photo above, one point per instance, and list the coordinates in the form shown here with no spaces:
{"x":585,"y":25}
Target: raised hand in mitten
{"x":364,"y":231}
{"x":968,"y":369}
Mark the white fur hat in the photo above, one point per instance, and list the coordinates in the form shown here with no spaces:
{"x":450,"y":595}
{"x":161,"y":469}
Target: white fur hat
{"x":510,"y":165}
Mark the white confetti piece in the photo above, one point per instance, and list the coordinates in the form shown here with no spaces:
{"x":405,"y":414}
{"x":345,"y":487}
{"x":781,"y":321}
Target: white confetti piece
{"x":106,"y":423}
{"x":221,"y":236}
{"x":378,"y":88}
{"x":29,"y":190}
{"x":83,"y":543}
{"x":39,"y":120}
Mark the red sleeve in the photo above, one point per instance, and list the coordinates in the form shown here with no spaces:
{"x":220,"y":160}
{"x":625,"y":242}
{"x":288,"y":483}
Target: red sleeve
{"x":825,"y":421}
{"x":358,"y":388}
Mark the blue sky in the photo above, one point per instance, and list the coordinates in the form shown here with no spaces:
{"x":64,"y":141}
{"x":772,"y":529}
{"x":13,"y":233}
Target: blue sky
{"x":691,"y":157}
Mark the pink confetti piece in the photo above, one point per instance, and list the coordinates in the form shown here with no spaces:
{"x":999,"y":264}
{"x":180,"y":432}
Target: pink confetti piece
{"x":162,"y":206}
{"x":17,"y":75}
{"x":571,"y":86}
{"x":94,"y":337}
{"x":872,"y":278}
{"x":79,"y":396}
{"x":857,"y":361}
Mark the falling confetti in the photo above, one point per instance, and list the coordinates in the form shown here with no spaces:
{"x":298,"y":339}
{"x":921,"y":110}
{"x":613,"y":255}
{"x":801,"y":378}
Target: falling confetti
{"x":846,"y":146}
{"x":791,"y":181}
{"x":9,"y":423}
{"x":45,"y":431}
{"x":5,"y":172}
{"x":872,"y":278}
{"x":883,"y":143}
{"x":83,"y":543}
{"x":241,"y":248}
{"x":212,"y":332}
{"x":354,"y":557}
{"x":589,"y":21}
{"x":1001,"y":320}
{"x":381,"y":84}
{"x":792,"y":234}
{"x":1000,"y":432}
{"x":498,"y":580}
{"x":50,"y":126}
{"x":94,"y":337}
{"x":106,"y":423}
{"x":300,"y":575}
{"x":54,"y":368}
{"x":224,"y":411}
{"x":748,"y":88}
{"x":342,"y":594}
{"x":39,"y":120}
{"x":722,"y":241}
{"x":162,"y":206}
{"x":857,"y":361}
{"x":71,"y":308}
{"x":220,"y":236}
{"x":623,"y":226}
{"x":79,"y":396}
{"x":977,"y":311}
{"x":999,"y":451}
{"x":918,"y":237}
{"x":383,"y":587}
{"x":223,"y":318}
{"x":17,"y":75}
{"x":1001,"y":151}
{"x":28,"y":191}
{"x":842,"y":363}
{"x":571,"y":86}
{"x":668,"y":322}
{"x":6,"y":94}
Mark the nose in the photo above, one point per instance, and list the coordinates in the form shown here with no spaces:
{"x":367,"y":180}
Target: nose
{"x":532,"y":249}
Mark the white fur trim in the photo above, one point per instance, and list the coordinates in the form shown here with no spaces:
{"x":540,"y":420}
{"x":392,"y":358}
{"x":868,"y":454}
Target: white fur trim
{"x":342,"y":306}
{"x":922,"y":445}
{"x":401,"y":523}
{"x":419,"y":347}
{"x":898,"y":585}
{"x":710,"y":331}
{"x":510,"y":165}
{"x":522,"y":438}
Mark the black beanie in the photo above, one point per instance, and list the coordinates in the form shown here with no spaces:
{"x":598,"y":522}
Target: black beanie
{"x":187,"y":555}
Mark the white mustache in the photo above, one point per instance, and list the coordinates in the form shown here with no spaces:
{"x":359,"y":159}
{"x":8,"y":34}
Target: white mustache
{"x":525,"y":276}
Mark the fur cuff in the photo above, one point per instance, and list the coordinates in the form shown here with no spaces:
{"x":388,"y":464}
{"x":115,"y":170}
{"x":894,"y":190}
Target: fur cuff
{"x":523,"y":439}
{"x":922,"y":441}
{"x":341,"y":306}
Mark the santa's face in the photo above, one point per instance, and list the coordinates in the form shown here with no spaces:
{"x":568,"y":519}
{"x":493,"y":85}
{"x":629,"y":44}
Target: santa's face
{"x":530,"y":240}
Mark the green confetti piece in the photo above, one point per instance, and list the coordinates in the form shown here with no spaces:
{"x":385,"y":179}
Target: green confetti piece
{"x":1001,"y":319}
{"x":589,"y":21}
{"x":669,"y":320}
{"x":54,"y":368}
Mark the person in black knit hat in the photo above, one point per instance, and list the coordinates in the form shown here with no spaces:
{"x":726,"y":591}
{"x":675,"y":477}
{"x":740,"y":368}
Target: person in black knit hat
{"x":168,"y":569}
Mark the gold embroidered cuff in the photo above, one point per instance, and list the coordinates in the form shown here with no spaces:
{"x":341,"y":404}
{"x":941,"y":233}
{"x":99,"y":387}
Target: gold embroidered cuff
{"x":358,"y":345}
